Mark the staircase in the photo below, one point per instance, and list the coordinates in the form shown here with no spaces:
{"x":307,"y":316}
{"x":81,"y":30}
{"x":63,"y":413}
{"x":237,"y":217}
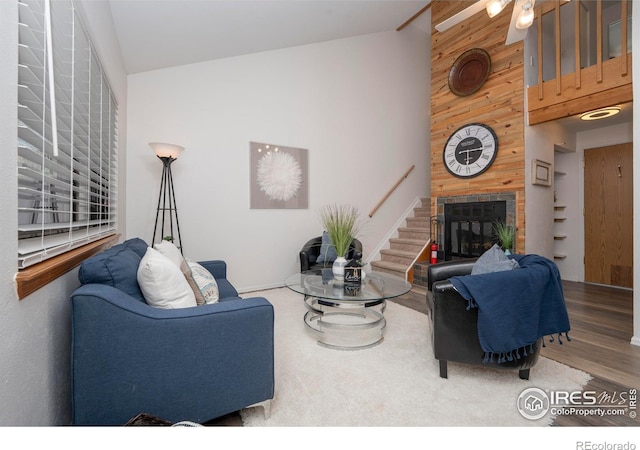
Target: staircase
{"x":410,"y":245}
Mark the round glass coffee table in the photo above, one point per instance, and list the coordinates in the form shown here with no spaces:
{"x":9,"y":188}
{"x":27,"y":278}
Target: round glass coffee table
{"x":345,"y":315}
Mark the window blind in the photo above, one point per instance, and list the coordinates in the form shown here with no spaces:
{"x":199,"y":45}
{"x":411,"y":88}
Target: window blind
{"x":67,"y":182}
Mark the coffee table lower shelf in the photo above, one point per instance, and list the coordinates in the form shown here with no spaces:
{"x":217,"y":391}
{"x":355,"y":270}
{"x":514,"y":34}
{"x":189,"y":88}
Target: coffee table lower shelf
{"x":345,"y":325}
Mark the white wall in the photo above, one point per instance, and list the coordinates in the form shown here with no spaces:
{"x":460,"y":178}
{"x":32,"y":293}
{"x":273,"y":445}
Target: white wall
{"x":359,"y":105}
{"x":636,"y":179}
{"x":539,"y":144}
{"x":35,"y":332}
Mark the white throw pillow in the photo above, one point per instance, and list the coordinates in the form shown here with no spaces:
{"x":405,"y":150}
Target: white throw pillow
{"x":169,"y":249}
{"x":162,"y":283}
{"x":204,"y":281}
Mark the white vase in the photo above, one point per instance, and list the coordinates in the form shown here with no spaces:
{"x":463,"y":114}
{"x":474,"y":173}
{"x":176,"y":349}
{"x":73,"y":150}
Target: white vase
{"x":338,"y":268}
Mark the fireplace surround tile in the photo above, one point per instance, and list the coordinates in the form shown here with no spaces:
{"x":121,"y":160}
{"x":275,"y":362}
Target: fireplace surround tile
{"x":508,"y":197}
{"x":420,"y":269}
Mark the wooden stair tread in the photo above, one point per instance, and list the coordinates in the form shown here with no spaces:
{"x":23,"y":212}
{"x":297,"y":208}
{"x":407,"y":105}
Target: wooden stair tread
{"x":409,"y":244}
{"x":396,"y":252}
{"x":419,"y":230}
{"x":390,"y":265}
{"x":408,"y":241}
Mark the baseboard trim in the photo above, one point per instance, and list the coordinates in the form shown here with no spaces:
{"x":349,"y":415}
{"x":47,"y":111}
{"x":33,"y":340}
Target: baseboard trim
{"x":264,"y":287}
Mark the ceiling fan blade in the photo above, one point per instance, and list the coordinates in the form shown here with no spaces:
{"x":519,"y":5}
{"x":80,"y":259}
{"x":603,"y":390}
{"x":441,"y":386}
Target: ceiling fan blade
{"x":462,"y":15}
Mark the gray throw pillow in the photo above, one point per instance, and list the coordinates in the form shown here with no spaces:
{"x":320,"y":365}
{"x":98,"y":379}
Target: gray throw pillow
{"x":494,"y":260}
{"x":327,"y":250}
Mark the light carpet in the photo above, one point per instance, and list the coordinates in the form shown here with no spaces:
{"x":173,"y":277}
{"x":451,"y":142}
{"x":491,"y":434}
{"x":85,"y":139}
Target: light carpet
{"x":395,"y":383}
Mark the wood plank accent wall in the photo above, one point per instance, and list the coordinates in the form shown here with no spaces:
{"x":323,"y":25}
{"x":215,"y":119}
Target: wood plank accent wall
{"x":499,"y":104}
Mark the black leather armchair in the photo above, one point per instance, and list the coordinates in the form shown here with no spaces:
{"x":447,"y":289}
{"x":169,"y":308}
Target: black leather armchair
{"x":311,"y":250}
{"x":454,"y":329}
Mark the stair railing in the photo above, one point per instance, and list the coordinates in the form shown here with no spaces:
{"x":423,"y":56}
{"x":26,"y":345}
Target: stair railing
{"x":388,"y":194}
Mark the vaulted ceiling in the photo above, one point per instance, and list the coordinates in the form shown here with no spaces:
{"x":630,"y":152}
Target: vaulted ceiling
{"x":156,"y":34}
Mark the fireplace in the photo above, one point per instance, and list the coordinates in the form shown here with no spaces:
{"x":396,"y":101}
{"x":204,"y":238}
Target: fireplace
{"x":465,"y":219}
{"x":465,"y":223}
{"x":468,"y":227}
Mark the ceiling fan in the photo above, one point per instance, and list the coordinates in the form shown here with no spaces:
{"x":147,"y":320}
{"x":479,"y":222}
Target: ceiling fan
{"x":521,"y":17}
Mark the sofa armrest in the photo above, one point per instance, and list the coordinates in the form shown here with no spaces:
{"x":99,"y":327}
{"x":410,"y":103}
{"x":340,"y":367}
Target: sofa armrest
{"x":447,"y":269}
{"x":453,"y":326}
{"x":356,"y":246}
{"x":183,"y":364}
{"x":304,"y":261}
{"x":218,"y":269}
{"x":309,"y":253}
{"x":454,"y":330}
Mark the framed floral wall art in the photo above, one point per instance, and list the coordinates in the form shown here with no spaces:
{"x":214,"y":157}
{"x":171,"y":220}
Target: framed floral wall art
{"x":279,"y":176}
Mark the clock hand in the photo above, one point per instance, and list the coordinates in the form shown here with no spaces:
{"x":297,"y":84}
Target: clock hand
{"x":468,"y":151}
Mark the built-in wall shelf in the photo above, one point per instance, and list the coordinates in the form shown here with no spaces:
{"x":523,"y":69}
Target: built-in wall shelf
{"x":560,"y":209}
{"x":562,"y":149}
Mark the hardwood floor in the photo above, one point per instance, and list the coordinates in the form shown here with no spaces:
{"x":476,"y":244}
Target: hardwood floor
{"x":601,"y":320}
{"x":601,"y":330}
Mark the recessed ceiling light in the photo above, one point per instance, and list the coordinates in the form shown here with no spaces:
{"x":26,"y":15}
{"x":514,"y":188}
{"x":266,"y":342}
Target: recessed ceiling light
{"x":600,"y":113}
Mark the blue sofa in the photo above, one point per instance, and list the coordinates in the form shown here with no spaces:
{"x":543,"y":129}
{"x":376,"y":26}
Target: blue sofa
{"x":189,"y":364}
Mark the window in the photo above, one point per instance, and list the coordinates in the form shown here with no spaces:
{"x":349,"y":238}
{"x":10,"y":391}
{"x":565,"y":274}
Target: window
{"x":67,"y":135}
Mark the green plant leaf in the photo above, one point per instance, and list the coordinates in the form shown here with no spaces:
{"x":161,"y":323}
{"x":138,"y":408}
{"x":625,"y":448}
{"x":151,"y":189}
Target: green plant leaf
{"x":342,"y":224}
{"x":505,"y":233}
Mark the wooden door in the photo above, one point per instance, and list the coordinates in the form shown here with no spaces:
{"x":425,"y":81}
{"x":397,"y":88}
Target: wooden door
{"x":608,"y":215}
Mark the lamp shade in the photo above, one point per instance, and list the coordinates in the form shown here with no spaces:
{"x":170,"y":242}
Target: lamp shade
{"x":163,"y":150}
{"x":525,"y":18}
{"x":495,"y":6}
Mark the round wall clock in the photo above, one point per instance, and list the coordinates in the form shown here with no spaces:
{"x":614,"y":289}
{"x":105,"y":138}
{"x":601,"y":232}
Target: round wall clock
{"x":470,"y":150}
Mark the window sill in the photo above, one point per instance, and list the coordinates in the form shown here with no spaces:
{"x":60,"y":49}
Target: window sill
{"x":33,"y":278}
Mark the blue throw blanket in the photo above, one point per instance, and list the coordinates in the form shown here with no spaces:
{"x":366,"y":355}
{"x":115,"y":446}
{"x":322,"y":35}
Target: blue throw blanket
{"x":517,"y":307}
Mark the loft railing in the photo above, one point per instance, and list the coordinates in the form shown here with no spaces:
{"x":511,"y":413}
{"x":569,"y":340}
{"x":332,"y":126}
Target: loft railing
{"x":600,"y":76}
{"x":388,"y":194}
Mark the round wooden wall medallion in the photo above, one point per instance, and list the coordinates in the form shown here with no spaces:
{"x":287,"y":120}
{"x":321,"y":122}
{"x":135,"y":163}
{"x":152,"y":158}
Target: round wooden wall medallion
{"x":469,"y":72}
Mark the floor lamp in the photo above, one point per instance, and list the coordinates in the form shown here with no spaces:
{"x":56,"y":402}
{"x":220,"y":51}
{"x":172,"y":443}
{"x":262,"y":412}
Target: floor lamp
{"x":167,"y":153}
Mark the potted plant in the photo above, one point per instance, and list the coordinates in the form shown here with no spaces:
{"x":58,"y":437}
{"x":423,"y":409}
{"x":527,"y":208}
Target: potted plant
{"x":506,"y":235}
{"x":341,"y":222}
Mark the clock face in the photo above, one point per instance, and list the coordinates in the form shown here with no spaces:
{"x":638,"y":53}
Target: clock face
{"x":470,"y":150}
